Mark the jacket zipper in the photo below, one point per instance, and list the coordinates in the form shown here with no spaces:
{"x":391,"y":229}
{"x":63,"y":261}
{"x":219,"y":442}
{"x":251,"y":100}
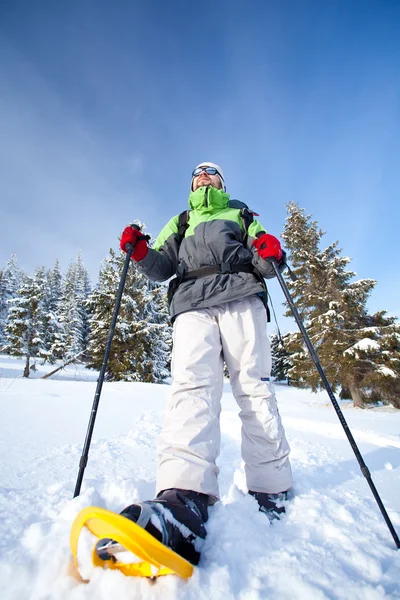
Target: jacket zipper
{"x":206,"y":197}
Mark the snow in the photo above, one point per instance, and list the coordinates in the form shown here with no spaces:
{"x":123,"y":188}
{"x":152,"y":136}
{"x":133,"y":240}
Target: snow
{"x":386,"y":371}
{"x":332,"y":543}
{"x":364,"y":344}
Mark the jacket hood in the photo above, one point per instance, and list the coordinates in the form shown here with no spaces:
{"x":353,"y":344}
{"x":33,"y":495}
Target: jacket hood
{"x":207,"y":199}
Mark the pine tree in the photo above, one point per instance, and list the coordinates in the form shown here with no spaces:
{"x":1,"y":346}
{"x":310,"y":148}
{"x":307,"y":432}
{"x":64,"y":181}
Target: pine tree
{"x":140,"y":348}
{"x":281,"y":362}
{"x":54,"y":330}
{"x":27,"y":321}
{"x":160,"y":332}
{"x":73,"y":311}
{"x":11,"y":278}
{"x":3,"y":308}
{"x":349,"y":341}
{"x":54,"y":285}
{"x":374,"y":360}
{"x":83,"y":290}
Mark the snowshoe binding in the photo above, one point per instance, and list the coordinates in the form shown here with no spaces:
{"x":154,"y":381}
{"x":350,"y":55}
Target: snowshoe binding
{"x":176,"y":519}
{"x":271,"y":504}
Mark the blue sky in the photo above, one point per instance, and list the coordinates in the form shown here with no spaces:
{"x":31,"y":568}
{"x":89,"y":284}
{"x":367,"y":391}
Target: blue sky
{"x":106,"y":107}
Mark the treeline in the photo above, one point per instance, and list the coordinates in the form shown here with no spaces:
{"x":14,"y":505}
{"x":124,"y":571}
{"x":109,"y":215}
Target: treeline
{"x":359,"y":351}
{"x":47,"y":317}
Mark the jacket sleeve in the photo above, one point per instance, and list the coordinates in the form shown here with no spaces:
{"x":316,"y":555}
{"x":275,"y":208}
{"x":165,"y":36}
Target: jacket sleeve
{"x":161,"y":261}
{"x":264,"y":266}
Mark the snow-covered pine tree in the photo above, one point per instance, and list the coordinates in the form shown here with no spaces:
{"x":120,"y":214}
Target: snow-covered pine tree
{"x":159,"y":331}
{"x":73,"y":310}
{"x":280,"y":355}
{"x":301,"y":238}
{"x":374,"y":360}
{"x":55,"y":281}
{"x":333,"y":307}
{"x":83,"y":290}
{"x":27,"y":321}
{"x":3,"y":308}
{"x":11,"y":278}
{"x":141,"y":340}
{"x":53,"y":334}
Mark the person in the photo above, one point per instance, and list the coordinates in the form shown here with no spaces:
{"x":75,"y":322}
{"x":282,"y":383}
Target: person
{"x":218,"y":307}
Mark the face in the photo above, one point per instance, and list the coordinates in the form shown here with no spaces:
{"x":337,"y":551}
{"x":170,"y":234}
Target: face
{"x":205,"y":179}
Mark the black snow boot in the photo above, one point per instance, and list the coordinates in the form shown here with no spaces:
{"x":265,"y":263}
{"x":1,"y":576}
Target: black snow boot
{"x":271,"y":504}
{"x":175,"y":518}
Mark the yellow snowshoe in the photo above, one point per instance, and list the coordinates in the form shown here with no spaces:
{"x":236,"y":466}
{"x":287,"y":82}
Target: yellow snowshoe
{"x":116,"y":534}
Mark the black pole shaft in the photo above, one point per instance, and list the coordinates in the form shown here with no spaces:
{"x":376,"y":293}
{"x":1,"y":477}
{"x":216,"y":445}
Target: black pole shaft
{"x":364,"y":469}
{"x":92,"y":419}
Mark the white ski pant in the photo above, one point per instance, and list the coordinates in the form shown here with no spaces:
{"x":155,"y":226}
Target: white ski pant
{"x":189,"y":443}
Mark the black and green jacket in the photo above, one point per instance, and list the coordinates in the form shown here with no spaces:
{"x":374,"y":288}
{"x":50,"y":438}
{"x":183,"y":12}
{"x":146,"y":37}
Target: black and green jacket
{"x":215,"y":234}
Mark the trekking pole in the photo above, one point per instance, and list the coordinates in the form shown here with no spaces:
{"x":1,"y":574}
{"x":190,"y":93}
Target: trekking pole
{"x":89,"y":433}
{"x":364,"y":469}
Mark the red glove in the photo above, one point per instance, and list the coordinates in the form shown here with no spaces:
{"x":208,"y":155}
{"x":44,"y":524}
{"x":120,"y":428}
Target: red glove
{"x":134,"y":236}
{"x":268,"y":246}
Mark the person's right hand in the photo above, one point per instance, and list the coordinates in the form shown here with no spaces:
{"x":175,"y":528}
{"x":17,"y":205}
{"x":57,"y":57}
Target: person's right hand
{"x":133,"y":235}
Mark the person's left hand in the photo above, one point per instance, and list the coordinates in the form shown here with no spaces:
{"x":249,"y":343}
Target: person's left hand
{"x":268,"y":246}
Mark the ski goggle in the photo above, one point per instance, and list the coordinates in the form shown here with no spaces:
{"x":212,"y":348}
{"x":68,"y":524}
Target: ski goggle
{"x":208,"y":170}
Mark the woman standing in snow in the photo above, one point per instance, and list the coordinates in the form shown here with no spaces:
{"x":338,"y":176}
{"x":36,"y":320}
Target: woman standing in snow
{"x":220,"y":255}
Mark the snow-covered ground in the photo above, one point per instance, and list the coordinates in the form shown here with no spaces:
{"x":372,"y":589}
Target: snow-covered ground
{"x":332,"y":543}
